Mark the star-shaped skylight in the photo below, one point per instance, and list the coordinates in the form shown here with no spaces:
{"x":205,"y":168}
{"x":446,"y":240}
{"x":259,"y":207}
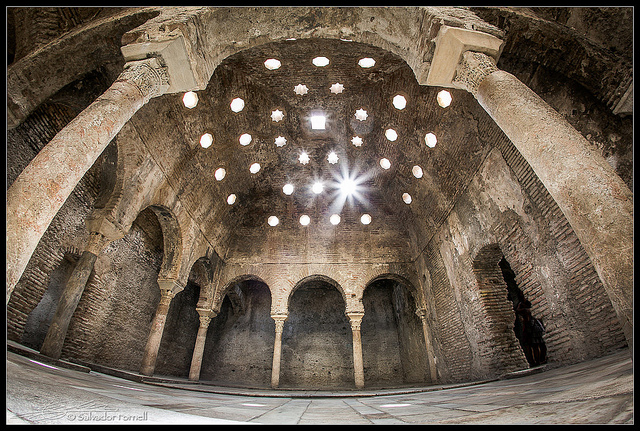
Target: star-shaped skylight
{"x":304,"y":158}
{"x":357,"y":141}
{"x":301,"y":89}
{"x":277,"y":115}
{"x":332,"y":158}
{"x":281,"y":141}
{"x":337,"y":88}
{"x":361,"y":114}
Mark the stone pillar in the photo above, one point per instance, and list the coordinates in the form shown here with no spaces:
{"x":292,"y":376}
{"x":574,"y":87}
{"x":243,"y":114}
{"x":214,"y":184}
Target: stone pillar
{"x":277,"y":349}
{"x":428,"y":342}
{"x":358,"y":365}
{"x":52,"y":345}
{"x":168,"y":289}
{"x":196,"y":361}
{"x":44,"y":185}
{"x":593,"y":198}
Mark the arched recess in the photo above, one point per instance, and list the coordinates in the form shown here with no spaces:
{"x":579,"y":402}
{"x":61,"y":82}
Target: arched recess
{"x":501,"y":348}
{"x":39,"y":319}
{"x":239,"y":345}
{"x":317,"y":346}
{"x":393,"y":345}
{"x":122,"y":309}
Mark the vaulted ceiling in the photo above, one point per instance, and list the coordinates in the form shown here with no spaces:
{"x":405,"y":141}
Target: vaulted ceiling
{"x":173,"y":134}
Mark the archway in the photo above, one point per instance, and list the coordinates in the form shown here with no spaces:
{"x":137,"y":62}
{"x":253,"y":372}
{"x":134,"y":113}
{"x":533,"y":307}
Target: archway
{"x":393,"y":346}
{"x":179,"y":335}
{"x":239,"y":344}
{"x":317,"y":347}
{"x":38,"y":321}
{"x":126,"y":313}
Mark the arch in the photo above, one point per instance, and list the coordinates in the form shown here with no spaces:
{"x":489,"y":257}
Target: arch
{"x":317,"y":343}
{"x":236,"y":296}
{"x":237,"y":29}
{"x":393,"y":341}
{"x":171,"y":239}
{"x":317,"y":277}
{"x":411,"y":287}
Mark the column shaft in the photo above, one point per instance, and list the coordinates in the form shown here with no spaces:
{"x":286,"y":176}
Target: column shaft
{"x":593,"y":198}
{"x":44,"y":185}
{"x":277,"y":351}
{"x":358,"y":364}
{"x":198,"y":350}
{"x":52,"y":345}
{"x":155,"y":335}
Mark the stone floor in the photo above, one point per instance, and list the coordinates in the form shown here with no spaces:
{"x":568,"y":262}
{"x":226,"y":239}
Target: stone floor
{"x":48,"y":392}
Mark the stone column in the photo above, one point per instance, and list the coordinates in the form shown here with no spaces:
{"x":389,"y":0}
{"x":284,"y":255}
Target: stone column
{"x":196,"y":361}
{"x":428,"y":342}
{"x":168,"y":289}
{"x":358,"y":366}
{"x":44,"y":185}
{"x":593,"y":198}
{"x":277,"y":349}
{"x":52,"y":345}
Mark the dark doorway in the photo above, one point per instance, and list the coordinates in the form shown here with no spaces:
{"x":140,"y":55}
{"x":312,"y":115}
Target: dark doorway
{"x":534,"y":350}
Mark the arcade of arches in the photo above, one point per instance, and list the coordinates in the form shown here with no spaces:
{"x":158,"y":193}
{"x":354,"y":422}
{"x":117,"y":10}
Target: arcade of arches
{"x":471,"y":169}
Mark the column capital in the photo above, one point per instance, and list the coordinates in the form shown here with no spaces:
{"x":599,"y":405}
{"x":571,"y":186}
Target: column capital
{"x":148,"y":75}
{"x":206,"y":314}
{"x":355,"y":318}
{"x":96,"y":243}
{"x":279,"y":319}
{"x":451,"y":44}
{"x":473,"y":68}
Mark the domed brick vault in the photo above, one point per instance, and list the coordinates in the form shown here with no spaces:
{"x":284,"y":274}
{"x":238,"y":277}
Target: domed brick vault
{"x":145,"y":234}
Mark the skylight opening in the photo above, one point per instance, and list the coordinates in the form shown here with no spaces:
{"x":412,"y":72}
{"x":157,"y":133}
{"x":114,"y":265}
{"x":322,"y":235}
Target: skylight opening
{"x":317,"y":187}
{"x":332,"y":157}
{"x":444,"y":98}
{"x":305,"y":220}
{"x":337,"y":88}
{"x":254,"y":168}
{"x":206,"y":140}
{"x":361,"y":114}
{"x":385,"y":163}
{"x":237,"y":104}
{"x":273,"y":221}
{"x":334,"y":219}
{"x":231,"y":199}
{"x":347,"y":186}
{"x":245,"y":139}
{"x":272,"y":64}
{"x":406,"y":197}
{"x":417,"y":171}
{"x":219,"y":174}
{"x":280,"y":141}
{"x":320,"y":61}
{"x":356,"y":141}
{"x":301,"y":89}
{"x":304,"y":158}
{"x":366,"y":62}
{"x":430,"y":140}
{"x":318,"y":122}
{"x":277,"y":115}
{"x":365,"y":219}
{"x":399,"y":102}
{"x":287,"y":189}
{"x":391,"y":134}
{"x":190,"y":99}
